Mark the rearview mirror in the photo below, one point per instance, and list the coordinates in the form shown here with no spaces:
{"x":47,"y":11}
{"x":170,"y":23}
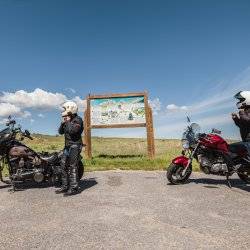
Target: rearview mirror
{"x":216,"y":131}
{"x":10,"y":122}
{"x":27,"y":132}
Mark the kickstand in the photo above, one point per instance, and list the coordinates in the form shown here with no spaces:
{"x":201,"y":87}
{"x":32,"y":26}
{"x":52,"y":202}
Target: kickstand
{"x":228,"y":181}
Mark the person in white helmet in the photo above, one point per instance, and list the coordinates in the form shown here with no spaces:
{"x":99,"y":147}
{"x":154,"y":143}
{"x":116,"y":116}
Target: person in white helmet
{"x":72,"y":128}
{"x":242,"y":119}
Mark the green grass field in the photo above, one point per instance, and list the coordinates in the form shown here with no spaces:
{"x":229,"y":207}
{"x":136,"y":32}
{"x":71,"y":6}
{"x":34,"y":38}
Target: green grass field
{"x":117,"y":153}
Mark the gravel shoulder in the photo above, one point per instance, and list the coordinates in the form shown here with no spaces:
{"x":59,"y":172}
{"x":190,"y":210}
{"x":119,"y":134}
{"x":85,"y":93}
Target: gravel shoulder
{"x":128,"y":210}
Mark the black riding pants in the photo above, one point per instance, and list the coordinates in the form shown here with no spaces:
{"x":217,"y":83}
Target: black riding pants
{"x":70,"y":159}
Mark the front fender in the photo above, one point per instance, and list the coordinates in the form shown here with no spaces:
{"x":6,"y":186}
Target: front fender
{"x":180,"y":160}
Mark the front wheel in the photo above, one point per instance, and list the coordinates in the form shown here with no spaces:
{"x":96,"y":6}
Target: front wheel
{"x":175,"y":174}
{"x":245,"y":177}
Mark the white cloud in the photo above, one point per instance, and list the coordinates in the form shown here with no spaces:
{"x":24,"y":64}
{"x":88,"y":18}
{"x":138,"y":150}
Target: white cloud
{"x":82,"y":104}
{"x":207,"y":123}
{"x":155,"y":104}
{"x":39,"y":99}
{"x":15,"y":103}
{"x":210,"y":109}
{"x":175,"y":108}
{"x":32,"y":120}
{"x":3,"y":121}
{"x":217,"y":120}
{"x":41,"y":115}
{"x":220,"y":97}
{"x":7,"y":109}
{"x":25,"y":114}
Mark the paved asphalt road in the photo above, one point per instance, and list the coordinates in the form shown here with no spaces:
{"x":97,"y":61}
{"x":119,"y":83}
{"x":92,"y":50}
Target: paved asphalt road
{"x":128,"y":210}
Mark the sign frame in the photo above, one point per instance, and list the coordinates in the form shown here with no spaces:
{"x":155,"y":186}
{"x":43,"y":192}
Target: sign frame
{"x":148,"y":122}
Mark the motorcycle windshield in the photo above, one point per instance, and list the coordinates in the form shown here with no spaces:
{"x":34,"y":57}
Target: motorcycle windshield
{"x":191,"y":132}
{"x":187,"y":135}
{"x":195,"y":128}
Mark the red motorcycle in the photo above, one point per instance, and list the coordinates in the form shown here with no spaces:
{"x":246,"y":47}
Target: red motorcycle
{"x":214,"y":155}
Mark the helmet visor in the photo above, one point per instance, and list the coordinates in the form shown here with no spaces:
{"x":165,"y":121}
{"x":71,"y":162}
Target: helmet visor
{"x":240,"y":97}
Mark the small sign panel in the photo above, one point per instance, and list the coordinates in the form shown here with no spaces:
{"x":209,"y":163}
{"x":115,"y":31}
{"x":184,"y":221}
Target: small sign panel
{"x":118,"y":110}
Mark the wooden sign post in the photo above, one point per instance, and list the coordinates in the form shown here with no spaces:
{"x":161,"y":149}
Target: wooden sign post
{"x":102,"y":119}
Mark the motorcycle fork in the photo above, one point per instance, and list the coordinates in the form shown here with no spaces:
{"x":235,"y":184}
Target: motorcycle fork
{"x":190,"y":160}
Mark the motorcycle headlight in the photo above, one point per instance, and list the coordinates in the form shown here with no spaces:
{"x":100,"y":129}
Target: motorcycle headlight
{"x":185,"y":144}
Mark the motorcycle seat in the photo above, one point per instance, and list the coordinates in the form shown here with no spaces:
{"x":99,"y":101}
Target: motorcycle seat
{"x":237,"y":148}
{"x":49,"y":158}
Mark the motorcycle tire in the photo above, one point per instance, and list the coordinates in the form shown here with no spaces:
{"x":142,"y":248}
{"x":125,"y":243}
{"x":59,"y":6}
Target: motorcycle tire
{"x":244,"y":177}
{"x":174,"y":174}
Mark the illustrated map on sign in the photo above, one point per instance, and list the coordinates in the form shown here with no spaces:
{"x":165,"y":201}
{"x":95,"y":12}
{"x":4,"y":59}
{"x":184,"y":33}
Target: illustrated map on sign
{"x":117,"y":110}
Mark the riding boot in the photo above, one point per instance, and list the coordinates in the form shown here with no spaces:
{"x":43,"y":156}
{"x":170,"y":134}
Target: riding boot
{"x":61,"y":190}
{"x":64,"y":176}
{"x":73,"y":177}
{"x":72,"y":191}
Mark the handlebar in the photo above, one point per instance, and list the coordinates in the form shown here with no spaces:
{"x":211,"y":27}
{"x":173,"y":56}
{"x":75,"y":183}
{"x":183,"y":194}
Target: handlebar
{"x":11,"y":123}
{"x":216,"y":131}
{"x":28,"y":136}
{"x":26,"y":133}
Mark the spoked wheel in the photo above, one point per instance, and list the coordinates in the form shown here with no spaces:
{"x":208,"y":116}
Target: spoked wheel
{"x":175,"y":174}
{"x":245,"y":176}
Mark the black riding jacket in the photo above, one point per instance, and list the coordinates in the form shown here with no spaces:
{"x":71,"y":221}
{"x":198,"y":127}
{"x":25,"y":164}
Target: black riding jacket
{"x":243,"y":122}
{"x":72,"y":131}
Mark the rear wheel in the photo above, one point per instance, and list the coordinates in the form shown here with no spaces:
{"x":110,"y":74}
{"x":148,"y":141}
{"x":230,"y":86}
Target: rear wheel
{"x":175,"y":174}
{"x":245,"y":177}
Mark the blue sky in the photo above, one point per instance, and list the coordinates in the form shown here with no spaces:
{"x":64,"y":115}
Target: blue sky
{"x":191,"y":56}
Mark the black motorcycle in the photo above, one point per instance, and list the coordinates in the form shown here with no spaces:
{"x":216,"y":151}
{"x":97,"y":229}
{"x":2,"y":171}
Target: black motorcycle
{"x":24,"y":164}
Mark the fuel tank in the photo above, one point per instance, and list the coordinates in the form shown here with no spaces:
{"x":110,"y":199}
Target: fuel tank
{"x":215,"y":142}
{"x":21,"y":151}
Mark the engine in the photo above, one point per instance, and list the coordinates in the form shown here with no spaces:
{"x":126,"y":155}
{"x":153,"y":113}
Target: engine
{"x":212,"y":164}
{"x":30,"y":169}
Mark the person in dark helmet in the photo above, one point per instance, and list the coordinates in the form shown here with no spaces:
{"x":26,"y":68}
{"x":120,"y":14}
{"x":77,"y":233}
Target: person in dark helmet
{"x":242,"y":119}
{"x":72,"y":128}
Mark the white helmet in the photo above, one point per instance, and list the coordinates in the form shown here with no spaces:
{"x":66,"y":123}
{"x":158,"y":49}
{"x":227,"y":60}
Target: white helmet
{"x":69,"y":108}
{"x":244,"y":99}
